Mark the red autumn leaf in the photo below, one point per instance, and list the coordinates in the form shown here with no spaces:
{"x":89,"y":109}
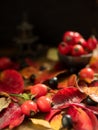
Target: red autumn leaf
{"x":57,"y":109}
{"x":63,"y":84}
{"x":68,"y":82}
{"x":11,"y":81}
{"x":94,"y":109}
{"x":72,"y":80}
{"x":69,"y":94}
{"x":81,"y":120}
{"x":52,"y":113}
{"x":43,"y":76}
{"x":93,"y":119}
{"x":12,"y":116}
{"x":16,"y":122}
{"x":94,"y":83}
{"x":80,"y":84}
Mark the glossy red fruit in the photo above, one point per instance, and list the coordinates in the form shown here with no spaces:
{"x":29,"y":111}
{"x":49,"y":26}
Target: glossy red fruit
{"x":44,"y":104}
{"x":92,"y":43}
{"x":81,"y":41}
{"x":29,"y":107}
{"x":5,"y":63}
{"x":11,"y":81}
{"x":64,"y":48}
{"x":77,"y":50}
{"x":77,"y":35}
{"x":86,"y":73}
{"x":39,"y":90}
{"x":68,"y":37}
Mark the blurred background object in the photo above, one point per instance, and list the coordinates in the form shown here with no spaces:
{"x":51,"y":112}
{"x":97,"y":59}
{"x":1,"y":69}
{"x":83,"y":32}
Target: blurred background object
{"x":50,"y":18}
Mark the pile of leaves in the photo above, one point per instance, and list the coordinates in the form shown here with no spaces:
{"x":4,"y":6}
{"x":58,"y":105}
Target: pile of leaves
{"x":69,"y":94}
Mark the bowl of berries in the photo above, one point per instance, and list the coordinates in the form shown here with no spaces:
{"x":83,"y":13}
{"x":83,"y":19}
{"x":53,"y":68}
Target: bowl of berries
{"x":74,"y":50}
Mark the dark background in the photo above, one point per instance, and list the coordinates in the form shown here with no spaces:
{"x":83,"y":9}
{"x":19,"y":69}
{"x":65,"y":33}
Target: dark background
{"x":51,"y":18}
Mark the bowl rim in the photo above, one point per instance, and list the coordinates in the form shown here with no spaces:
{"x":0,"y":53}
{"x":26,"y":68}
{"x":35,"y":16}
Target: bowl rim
{"x":81,"y":56}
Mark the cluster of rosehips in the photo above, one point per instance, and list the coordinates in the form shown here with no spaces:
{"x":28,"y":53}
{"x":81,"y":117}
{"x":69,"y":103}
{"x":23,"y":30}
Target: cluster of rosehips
{"x":41,"y":102}
{"x":74,"y":44}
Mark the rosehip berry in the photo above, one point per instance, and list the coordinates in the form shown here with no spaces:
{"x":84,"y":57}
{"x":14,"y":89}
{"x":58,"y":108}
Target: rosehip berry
{"x":77,"y":50}
{"x":92,"y":43}
{"x":44,"y":104}
{"x":39,"y":90}
{"x":64,"y":48}
{"x":86,"y":73}
{"x":29,"y":107}
{"x":68,"y":37}
{"x":82,"y":42}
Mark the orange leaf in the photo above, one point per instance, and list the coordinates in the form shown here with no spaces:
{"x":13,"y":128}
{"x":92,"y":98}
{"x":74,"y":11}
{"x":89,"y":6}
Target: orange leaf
{"x":56,"y":122}
{"x":72,"y":80}
{"x":91,"y":91}
{"x":28,"y":71}
{"x":68,"y":82}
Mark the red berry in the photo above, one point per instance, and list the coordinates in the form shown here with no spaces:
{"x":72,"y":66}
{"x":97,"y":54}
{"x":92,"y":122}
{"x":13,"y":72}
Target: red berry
{"x":81,"y":41}
{"x":68,"y":37}
{"x":86,"y":73}
{"x":39,"y":90}
{"x":5,"y":63}
{"x":44,"y":104}
{"x":77,"y":35}
{"x":64,"y":48}
{"x":77,"y":50}
{"x":28,"y":107}
{"x":92,"y":43}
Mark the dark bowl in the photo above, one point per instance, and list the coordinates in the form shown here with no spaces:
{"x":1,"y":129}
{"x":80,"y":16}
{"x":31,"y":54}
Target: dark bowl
{"x":75,"y":61}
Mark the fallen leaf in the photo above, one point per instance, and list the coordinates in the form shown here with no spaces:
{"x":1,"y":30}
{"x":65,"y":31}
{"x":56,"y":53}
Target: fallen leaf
{"x":68,"y":82}
{"x":4,"y":102}
{"x":41,"y":122}
{"x":69,"y":94}
{"x":56,"y":122}
{"x":81,"y":120}
{"x":92,"y":92}
{"x":28,"y":71}
{"x":11,"y":117}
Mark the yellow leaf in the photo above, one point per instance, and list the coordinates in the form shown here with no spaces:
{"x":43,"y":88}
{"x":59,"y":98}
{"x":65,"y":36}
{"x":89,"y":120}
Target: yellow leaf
{"x":4,"y":102}
{"x":92,"y":92}
{"x":56,"y":122}
{"x":41,"y":122}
